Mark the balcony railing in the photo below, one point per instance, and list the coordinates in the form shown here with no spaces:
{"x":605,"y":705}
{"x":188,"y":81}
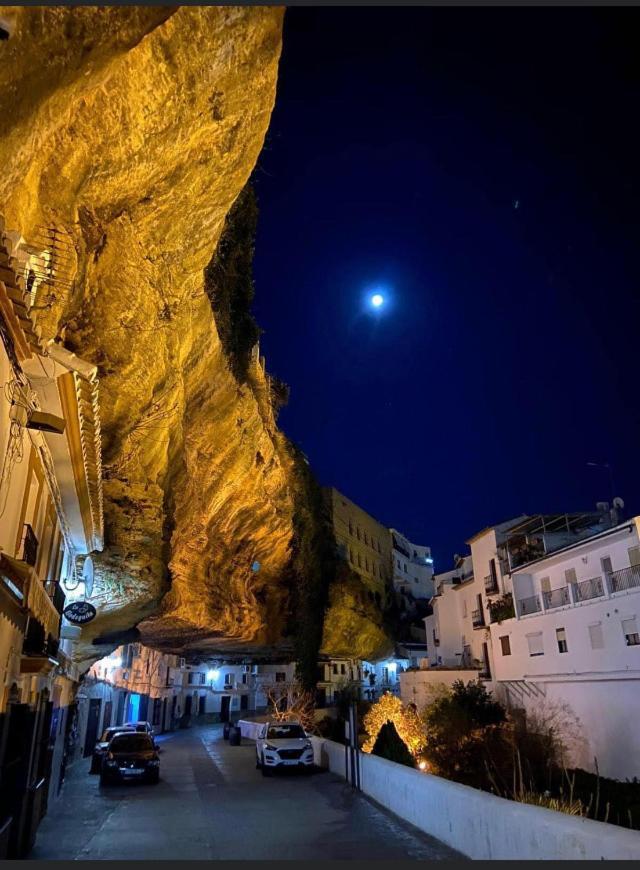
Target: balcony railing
{"x":588,"y":589}
{"x":556,"y":597}
{"x":491,"y":584}
{"x":29,"y":545}
{"x":627,"y":578}
{"x":477,"y":618}
{"x":529,"y":605}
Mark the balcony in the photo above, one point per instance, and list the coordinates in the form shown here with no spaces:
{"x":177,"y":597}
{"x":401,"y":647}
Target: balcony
{"x":29,"y":546}
{"x":588,"y":589}
{"x":529,"y":605}
{"x":627,"y":578}
{"x":477,"y":619}
{"x":491,"y":585}
{"x":556,"y":597}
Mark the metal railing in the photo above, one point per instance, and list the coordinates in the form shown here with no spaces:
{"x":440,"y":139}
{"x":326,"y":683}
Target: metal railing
{"x":477,"y":618}
{"x":529,"y":605}
{"x":29,"y":545}
{"x":627,"y":578}
{"x":490,"y":584}
{"x":585,"y":590}
{"x":556,"y":597}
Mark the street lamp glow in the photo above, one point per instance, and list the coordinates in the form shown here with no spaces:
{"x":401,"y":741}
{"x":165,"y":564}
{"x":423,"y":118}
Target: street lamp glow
{"x":213,"y":675}
{"x":377,"y":300}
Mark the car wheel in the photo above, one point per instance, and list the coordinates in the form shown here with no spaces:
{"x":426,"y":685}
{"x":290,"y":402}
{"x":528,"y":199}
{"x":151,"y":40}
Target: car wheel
{"x":154,"y":779}
{"x":258,"y":764}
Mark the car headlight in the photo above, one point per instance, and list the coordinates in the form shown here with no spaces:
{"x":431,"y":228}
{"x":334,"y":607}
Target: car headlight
{"x":308,"y":748}
{"x":111,"y":760}
{"x":270,"y":747}
{"x":153,"y":763}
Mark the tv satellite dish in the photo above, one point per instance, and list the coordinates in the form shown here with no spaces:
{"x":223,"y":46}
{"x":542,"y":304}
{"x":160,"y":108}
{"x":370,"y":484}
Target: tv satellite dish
{"x":87,"y":576}
{"x":618,"y":502}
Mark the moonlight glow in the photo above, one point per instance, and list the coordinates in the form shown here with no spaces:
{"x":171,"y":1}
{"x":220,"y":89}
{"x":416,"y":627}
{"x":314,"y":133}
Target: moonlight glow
{"x":377,"y":300}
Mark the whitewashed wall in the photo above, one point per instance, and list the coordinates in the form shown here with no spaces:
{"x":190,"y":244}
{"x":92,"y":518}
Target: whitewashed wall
{"x":479,"y":824}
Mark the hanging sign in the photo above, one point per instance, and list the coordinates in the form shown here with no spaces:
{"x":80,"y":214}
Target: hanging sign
{"x":79,"y":613}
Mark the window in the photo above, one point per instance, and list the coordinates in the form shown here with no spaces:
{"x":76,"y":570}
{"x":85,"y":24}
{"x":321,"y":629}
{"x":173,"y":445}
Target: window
{"x":335,"y":669}
{"x":229,"y":679}
{"x":634,"y":556}
{"x":535,"y":644}
{"x":570,"y":575}
{"x":630,"y":631}
{"x":244,"y":679}
{"x":202,"y":678}
{"x":595,"y":636}
{"x":190,"y":678}
{"x":561,"y":637}
{"x":281,"y":677}
{"x":398,"y":563}
{"x":606,"y":566}
{"x":343,"y":669}
{"x":405,"y":567}
{"x":505,"y":644}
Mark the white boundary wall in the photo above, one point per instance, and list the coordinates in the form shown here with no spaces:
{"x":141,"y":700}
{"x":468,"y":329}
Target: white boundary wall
{"x":476,"y":823}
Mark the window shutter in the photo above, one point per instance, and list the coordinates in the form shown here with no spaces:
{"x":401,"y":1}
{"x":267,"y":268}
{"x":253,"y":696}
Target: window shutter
{"x":534,"y":641}
{"x":595,"y":635}
{"x":570,"y":575}
{"x":630,"y":626}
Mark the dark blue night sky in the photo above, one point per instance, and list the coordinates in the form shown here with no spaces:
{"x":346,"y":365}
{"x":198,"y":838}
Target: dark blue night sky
{"x":482,"y":165}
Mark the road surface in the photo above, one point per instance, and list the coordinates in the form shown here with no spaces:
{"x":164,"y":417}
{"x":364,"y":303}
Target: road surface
{"x":212,"y":803}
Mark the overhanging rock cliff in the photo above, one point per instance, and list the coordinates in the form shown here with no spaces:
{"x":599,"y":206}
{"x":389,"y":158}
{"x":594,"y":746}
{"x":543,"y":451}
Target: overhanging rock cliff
{"x":130,"y":133}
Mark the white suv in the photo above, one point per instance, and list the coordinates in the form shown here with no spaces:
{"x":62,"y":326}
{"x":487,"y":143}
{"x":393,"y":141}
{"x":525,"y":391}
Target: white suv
{"x":283,"y":744}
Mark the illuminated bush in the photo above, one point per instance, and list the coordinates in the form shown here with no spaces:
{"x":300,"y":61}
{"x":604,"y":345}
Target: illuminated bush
{"x":390,"y":745}
{"x":406,"y":720}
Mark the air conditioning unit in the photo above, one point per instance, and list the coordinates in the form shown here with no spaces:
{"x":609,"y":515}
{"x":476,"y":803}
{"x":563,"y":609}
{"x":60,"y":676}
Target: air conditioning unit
{"x":246,"y":669}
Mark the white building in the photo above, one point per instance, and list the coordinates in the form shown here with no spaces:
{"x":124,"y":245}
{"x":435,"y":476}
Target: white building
{"x":574,"y":643}
{"x":547,"y":608}
{"x":412,"y":568}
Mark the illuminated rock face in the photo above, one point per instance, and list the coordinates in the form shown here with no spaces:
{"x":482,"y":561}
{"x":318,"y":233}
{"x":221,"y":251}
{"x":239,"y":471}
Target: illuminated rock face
{"x":131,"y":131}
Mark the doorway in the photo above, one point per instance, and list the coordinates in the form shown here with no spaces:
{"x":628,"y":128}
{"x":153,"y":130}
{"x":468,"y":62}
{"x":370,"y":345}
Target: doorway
{"x":93,"y":721}
{"x":201,"y":703}
{"x":244,"y":702}
{"x":225,"y":703}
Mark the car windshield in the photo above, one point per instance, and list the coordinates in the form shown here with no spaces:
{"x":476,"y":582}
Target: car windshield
{"x":130,"y":743}
{"x":284,"y":731}
{"x":108,"y":734}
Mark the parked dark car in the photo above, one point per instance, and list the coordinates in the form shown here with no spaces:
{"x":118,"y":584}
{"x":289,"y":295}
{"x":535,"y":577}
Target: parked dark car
{"x":131,"y":755}
{"x":102,"y":745}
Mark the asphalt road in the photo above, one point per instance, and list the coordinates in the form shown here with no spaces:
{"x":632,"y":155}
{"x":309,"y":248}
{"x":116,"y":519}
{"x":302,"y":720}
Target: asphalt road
{"x":212,"y":803}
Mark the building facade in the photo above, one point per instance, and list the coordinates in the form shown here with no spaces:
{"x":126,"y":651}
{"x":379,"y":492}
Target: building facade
{"x":50,"y":514}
